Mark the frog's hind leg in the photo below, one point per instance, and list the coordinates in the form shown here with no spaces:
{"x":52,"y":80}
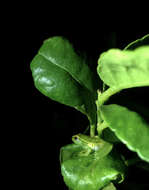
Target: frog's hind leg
{"x":105,"y":150}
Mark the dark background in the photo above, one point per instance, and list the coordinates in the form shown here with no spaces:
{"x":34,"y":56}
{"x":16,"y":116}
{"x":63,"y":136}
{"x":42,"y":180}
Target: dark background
{"x":48,"y":125}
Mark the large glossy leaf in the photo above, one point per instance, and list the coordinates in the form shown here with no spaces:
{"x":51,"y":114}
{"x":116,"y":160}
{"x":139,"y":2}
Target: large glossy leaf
{"x":63,"y":76}
{"x":89,"y":172}
{"x":125,"y":69}
{"x":129,"y":127}
{"x":137,"y":43}
{"x":60,"y":52}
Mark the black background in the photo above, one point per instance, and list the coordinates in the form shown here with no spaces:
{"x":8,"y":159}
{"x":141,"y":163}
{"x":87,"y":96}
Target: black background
{"x":47,"y":125}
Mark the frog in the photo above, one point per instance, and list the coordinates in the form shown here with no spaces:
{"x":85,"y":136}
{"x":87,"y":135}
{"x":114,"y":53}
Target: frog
{"x":91,"y":145}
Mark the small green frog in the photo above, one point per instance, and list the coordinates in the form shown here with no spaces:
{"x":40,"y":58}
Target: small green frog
{"x":92,"y":144}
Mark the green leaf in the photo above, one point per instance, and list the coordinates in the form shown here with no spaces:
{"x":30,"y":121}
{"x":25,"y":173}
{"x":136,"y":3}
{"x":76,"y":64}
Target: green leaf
{"x":137,"y":43}
{"x":129,"y":127}
{"x":110,"y":136}
{"x":123,"y":69}
{"x":62,"y":75}
{"x":89,"y":172}
{"x":60,"y":52}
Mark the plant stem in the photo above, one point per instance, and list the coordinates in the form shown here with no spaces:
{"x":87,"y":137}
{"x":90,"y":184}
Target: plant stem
{"x":92,"y":130}
{"x":101,"y":127}
{"x":99,"y":119}
{"x":103,"y":97}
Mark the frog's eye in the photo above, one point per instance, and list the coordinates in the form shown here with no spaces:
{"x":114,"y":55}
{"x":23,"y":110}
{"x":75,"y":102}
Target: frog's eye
{"x":76,"y":138}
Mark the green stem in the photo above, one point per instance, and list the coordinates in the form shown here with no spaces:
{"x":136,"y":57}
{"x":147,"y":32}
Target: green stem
{"x":92,"y":127}
{"x":103,"y":97}
{"x":92,"y":130}
{"x":99,"y":119}
{"x":101,"y":127}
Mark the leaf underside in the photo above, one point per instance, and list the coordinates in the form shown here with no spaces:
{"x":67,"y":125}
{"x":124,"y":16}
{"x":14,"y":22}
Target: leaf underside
{"x":129,"y":127}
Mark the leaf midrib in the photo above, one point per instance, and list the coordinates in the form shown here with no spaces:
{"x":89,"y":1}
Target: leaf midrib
{"x":54,"y":62}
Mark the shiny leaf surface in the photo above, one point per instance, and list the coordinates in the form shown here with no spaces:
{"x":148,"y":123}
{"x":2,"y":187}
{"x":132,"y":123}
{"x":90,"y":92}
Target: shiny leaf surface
{"x":62,"y":75}
{"x":89,"y":172}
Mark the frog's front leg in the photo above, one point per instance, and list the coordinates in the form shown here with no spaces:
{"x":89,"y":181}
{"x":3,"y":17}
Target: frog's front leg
{"x":85,"y":152}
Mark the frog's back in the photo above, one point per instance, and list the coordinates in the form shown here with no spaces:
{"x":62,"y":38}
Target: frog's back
{"x":94,"y":140}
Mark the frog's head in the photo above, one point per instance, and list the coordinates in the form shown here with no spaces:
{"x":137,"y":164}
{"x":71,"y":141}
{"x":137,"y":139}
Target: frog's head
{"x":76,"y":139}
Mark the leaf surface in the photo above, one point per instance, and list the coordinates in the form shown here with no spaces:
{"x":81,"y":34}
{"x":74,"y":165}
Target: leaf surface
{"x":61,"y":53}
{"x":129,"y":127}
{"x":62,"y":75}
{"x":89,"y":172}
{"x":124,"y":69}
{"x":109,"y":135}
